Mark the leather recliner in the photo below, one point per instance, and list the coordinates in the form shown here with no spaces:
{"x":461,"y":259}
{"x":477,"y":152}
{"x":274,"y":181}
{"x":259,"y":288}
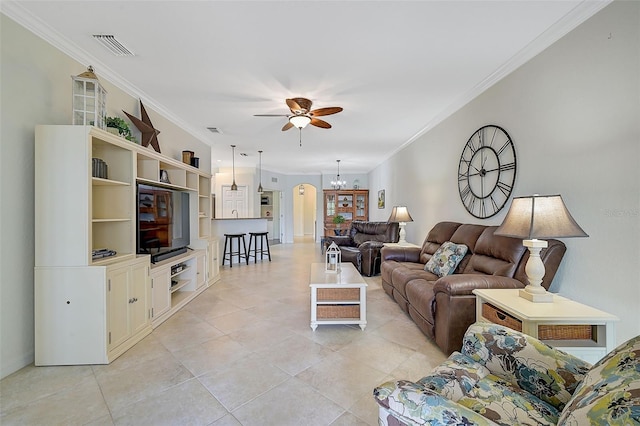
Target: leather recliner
{"x":362,"y":244}
{"x":444,"y":307}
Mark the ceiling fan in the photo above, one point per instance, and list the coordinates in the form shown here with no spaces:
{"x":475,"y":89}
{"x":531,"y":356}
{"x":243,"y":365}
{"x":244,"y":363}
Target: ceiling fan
{"x":301,"y":114}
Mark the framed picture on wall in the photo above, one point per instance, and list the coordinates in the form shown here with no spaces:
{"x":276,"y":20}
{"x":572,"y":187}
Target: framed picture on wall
{"x":381,"y":199}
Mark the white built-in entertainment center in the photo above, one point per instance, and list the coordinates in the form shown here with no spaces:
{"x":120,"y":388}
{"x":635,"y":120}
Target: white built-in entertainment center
{"x":96,"y":295}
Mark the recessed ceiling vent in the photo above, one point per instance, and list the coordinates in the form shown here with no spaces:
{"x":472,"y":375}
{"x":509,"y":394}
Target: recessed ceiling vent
{"x":113,"y":45}
{"x":214,"y":130}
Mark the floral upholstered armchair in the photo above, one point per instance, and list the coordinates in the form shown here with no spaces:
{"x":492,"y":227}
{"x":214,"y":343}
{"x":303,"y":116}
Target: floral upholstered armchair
{"x":505,"y":377}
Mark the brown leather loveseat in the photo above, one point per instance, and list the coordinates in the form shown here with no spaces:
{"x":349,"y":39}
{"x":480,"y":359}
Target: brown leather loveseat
{"x":443,"y":308}
{"x":361,"y":246}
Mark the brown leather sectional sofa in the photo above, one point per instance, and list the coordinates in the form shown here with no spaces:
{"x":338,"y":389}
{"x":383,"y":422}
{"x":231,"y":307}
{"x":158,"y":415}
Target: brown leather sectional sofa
{"x":361,"y":246}
{"x":443,"y":308}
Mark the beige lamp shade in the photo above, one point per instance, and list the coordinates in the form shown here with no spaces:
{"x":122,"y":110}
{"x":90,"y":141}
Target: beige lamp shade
{"x":538,"y":217}
{"x":400,"y":214}
{"x":534,"y":218}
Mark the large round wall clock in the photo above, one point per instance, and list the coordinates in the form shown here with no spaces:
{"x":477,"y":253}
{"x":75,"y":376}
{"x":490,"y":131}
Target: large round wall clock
{"x":487,"y":171}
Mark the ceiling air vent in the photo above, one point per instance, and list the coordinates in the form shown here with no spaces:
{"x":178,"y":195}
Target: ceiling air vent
{"x":214,"y":130}
{"x":114,"y":46}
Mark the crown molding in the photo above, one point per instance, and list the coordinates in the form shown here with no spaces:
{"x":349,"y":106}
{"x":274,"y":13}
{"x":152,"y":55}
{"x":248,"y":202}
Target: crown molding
{"x":555,"y":32}
{"x":15,"y":11}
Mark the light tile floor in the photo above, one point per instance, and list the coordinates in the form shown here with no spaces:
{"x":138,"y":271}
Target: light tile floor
{"x":241,"y":353}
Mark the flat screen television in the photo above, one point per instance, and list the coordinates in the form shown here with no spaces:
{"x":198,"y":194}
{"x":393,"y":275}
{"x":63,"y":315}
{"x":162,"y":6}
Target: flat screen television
{"x":163,"y":222}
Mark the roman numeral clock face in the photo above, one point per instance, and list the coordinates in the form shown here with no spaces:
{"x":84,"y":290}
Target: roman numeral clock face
{"x":487,"y":171}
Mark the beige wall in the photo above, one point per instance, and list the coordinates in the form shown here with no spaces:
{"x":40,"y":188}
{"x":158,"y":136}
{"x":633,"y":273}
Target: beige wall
{"x":35,"y":88}
{"x":573,"y":113}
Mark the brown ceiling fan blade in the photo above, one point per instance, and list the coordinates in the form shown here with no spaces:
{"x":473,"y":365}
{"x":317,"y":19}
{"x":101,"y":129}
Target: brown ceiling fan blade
{"x":287,"y":126}
{"x":325,"y":111}
{"x":293,"y":105}
{"x":270,"y":115}
{"x":299,"y":105}
{"x":320,"y":123}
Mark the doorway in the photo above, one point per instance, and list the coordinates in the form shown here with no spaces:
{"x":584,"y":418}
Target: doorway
{"x":304,"y":212}
{"x":234,"y":203}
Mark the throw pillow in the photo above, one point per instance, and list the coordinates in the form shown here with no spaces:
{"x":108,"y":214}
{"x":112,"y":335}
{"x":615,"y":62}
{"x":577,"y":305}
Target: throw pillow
{"x":446,"y":259}
{"x":610,"y":392}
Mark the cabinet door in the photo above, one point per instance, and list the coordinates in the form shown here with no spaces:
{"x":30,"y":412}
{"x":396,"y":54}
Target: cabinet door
{"x":329,"y":205}
{"x":118,"y":302}
{"x":160,"y":292}
{"x":362,"y":205}
{"x":139,"y":298}
{"x":213,"y":266}
{"x":201,"y":265}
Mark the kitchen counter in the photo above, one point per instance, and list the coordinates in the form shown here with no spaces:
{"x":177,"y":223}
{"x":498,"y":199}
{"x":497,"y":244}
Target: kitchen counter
{"x":238,"y":218}
{"x":232,"y":225}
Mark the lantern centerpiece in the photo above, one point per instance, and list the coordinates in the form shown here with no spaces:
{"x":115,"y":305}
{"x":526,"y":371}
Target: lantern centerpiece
{"x":89,"y":100}
{"x":334,"y":257}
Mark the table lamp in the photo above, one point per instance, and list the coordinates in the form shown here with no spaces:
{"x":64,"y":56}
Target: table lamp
{"x":531,"y":218}
{"x":401,"y":215}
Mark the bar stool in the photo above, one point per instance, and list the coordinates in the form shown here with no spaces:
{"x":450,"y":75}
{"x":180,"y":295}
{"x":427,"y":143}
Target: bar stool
{"x":228,"y":239}
{"x":254,"y":239}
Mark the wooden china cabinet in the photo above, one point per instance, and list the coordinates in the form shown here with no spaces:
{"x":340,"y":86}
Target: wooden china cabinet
{"x":352,"y":204}
{"x":155,"y":217}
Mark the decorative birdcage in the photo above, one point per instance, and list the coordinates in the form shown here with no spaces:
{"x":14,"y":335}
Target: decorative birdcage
{"x":334,"y":257}
{"x":89,"y":101}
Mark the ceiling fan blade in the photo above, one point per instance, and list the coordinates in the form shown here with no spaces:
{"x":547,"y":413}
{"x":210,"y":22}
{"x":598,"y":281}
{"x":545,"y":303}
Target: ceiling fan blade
{"x":320,"y":123}
{"x":270,"y":115}
{"x":299,"y":105}
{"x":293,"y":106}
{"x":325,"y":111}
{"x":287,"y":126}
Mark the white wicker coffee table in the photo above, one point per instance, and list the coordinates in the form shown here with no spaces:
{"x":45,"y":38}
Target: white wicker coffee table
{"x":337,"y":298}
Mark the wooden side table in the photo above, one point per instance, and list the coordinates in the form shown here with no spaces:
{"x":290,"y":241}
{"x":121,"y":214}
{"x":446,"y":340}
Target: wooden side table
{"x":580,"y":330}
{"x":337,"y":298}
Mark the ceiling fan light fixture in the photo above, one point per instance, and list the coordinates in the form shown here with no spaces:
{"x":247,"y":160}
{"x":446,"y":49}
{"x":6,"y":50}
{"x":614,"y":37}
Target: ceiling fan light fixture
{"x":300,"y":121}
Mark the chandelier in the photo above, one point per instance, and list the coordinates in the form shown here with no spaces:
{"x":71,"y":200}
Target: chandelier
{"x":338,"y":184}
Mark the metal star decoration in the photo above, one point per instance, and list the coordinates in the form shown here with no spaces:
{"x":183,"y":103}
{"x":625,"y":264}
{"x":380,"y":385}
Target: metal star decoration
{"x":149,"y":134}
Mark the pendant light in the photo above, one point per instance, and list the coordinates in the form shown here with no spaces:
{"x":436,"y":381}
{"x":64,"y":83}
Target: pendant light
{"x":260,"y":186}
{"x":301,"y":189}
{"x":234,"y":187}
{"x":338,"y":184}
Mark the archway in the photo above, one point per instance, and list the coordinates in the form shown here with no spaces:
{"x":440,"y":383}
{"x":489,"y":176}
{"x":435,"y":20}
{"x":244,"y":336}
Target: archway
{"x":304,"y":198}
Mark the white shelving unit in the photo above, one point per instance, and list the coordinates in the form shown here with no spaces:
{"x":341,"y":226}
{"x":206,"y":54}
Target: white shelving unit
{"x":89,"y":311}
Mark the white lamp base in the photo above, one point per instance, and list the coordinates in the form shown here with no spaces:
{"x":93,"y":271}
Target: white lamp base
{"x":534,"y":268}
{"x":545,"y":297}
{"x":403,"y":233}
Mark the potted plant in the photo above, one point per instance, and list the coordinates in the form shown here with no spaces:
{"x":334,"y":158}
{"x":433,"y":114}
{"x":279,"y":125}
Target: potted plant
{"x":121,"y":128}
{"x":338,"y":220}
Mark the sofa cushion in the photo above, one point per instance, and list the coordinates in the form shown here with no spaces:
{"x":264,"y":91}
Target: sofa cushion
{"x":440,"y":233}
{"x":410,"y":403}
{"x":610,"y":392}
{"x":506,"y":404}
{"x":455,"y":377}
{"x":409,"y":271}
{"x":420,"y":295}
{"x":446,"y":259}
{"x":495,"y":255}
{"x":524,"y":361}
